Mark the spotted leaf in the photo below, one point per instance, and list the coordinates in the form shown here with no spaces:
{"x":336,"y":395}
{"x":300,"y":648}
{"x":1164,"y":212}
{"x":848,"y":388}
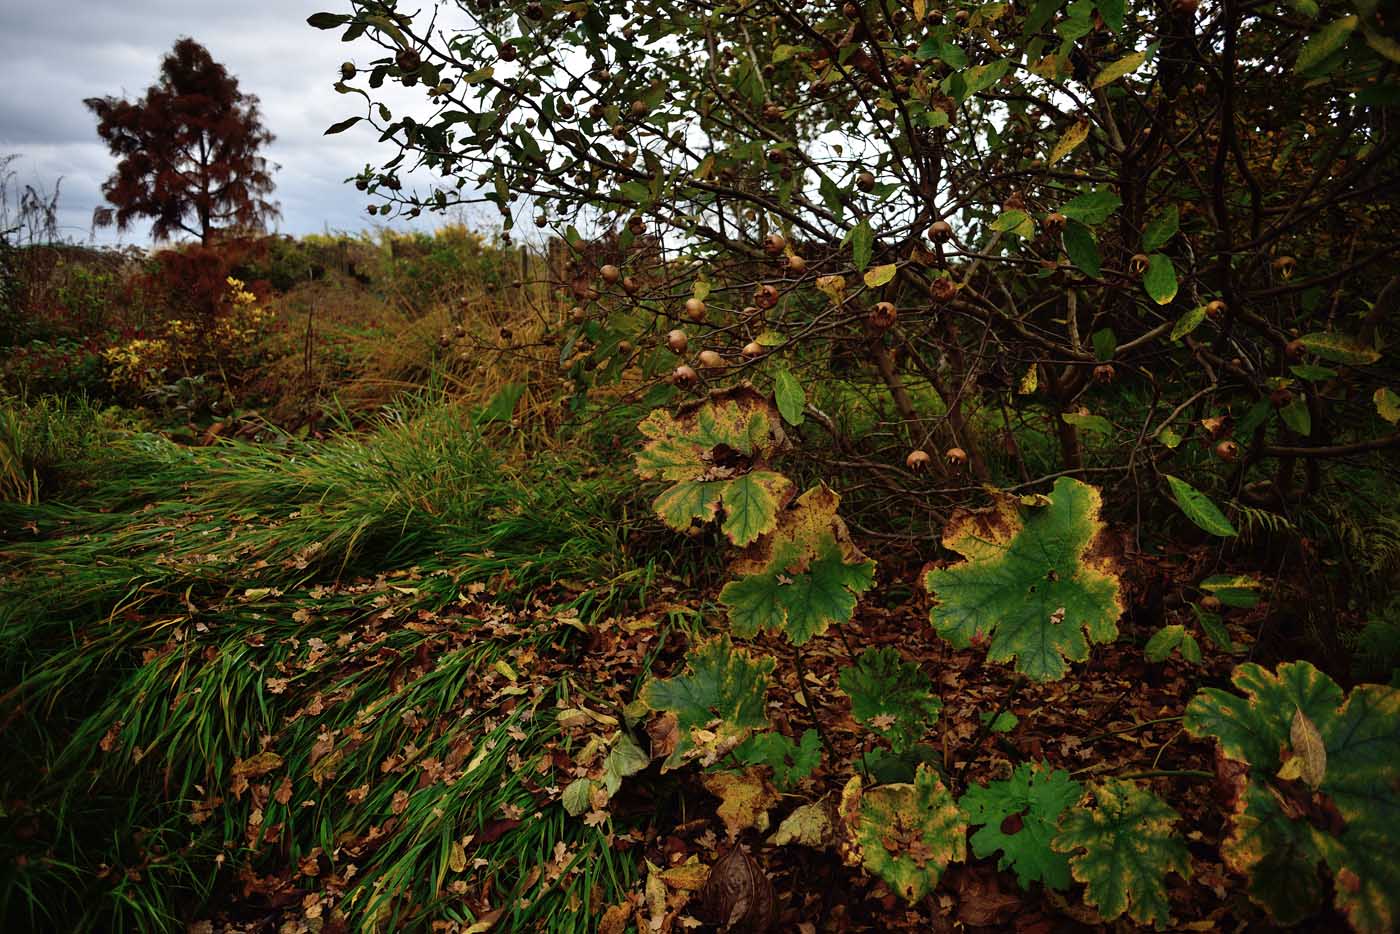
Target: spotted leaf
{"x":906,"y":834}
{"x":1322,"y":785}
{"x":1019,"y":816}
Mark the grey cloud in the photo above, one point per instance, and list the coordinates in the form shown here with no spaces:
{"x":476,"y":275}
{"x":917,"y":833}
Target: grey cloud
{"x":54,"y":55}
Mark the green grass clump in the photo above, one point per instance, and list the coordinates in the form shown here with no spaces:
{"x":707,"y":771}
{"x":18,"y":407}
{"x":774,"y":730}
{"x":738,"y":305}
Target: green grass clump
{"x":306,"y":679}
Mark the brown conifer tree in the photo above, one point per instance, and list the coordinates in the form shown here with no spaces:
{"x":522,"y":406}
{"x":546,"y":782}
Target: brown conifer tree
{"x":188,"y":152}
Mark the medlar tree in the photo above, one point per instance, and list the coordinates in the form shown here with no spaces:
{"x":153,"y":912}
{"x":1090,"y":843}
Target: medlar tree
{"x":1009,"y":218}
{"x":188,"y":152}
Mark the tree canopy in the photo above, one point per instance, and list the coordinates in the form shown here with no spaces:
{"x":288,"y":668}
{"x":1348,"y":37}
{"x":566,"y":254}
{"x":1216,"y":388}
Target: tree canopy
{"x":188,"y":151}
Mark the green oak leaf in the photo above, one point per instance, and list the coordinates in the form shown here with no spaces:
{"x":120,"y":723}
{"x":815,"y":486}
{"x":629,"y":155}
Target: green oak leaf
{"x":891,"y":695}
{"x":1034,"y":582}
{"x":906,"y":834}
{"x":803,"y":577}
{"x":1018,"y":817}
{"x":722,"y":683}
{"x":1282,"y":827}
{"x":791,"y":762}
{"x":715,"y":456}
{"x":1122,"y":849}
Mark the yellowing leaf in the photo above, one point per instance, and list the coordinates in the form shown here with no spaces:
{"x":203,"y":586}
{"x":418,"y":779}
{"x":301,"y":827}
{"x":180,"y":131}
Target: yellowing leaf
{"x":833,"y":287}
{"x":1124,"y":66}
{"x":1034,"y":584}
{"x":745,"y":797}
{"x":877,"y":276}
{"x":1070,"y":141}
{"x":1030,"y":381}
{"x":906,"y":834}
{"x":809,"y":825}
{"x":1387,"y":405}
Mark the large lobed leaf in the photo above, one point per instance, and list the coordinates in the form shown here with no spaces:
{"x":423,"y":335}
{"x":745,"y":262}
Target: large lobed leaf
{"x":1019,"y":816}
{"x":1322,"y":785}
{"x":1035,"y":581}
{"x":892,"y":696}
{"x":906,"y":834}
{"x":716,"y":455}
{"x":803,"y":577}
{"x":1122,"y":850}
{"x":721,"y":684}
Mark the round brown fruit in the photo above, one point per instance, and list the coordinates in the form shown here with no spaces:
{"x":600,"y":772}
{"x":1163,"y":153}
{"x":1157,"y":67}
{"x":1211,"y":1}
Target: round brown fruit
{"x":865,"y":182}
{"x":956,"y":456}
{"x":625,"y":348}
{"x":695,"y":309}
{"x":1228,"y":451}
{"x":1104,"y":373}
{"x":684,"y":375}
{"x":1215,"y":308}
{"x":610,"y":274}
{"x":1284,"y":266}
{"x":796,"y":264}
{"x":765,"y":296}
{"x":677,"y":341}
{"x":883,"y":315}
{"x":541,"y":221}
{"x":1138,"y":264}
{"x":1054,"y":222}
{"x":940,"y":232}
{"x":753,"y":349}
{"x":943,"y":289}
{"x":639,"y":108}
{"x":630,"y":285}
{"x":711,"y":360}
{"x":577,"y":315}
{"x":917,"y":460}
{"x":347,"y":71}
{"x":1280,"y":397}
{"x":1211,"y":603}
{"x":773,"y":244}
{"x":1295,"y":350}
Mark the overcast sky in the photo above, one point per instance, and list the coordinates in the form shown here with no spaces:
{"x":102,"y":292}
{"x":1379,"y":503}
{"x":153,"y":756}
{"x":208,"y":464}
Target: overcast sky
{"x":54,"y":54}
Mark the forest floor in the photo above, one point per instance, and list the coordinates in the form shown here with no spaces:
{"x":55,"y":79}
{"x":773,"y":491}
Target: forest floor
{"x":342,"y":685}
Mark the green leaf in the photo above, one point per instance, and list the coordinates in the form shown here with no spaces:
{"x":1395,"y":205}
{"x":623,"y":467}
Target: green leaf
{"x":1019,"y":816}
{"x":1214,"y":628}
{"x":1081,"y":248}
{"x":1105,"y":343}
{"x":1296,"y":416}
{"x":715,"y":455}
{"x":1112,"y":12}
{"x":1017,"y":222}
{"x":1387,"y":405}
{"x":862,"y":244}
{"x":1095,"y":423}
{"x":1128,"y":847}
{"x":803,"y":577}
{"x":791,"y":762}
{"x":1162,"y":228}
{"x":1324,"y":43}
{"x":1280,"y":828}
{"x":891,"y":696}
{"x":1124,"y":66}
{"x":342,"y":126}
{"x":577,"y":797}
{"x":1092,"y":207}
{"x":624,"y":759}
{"x":1339,"y":348}
{"x":1313,"y":373}
{"x":327,"y":20}
{"x":1199,"y":508}
{"x":1160,"y":279}
{"x":1236,"y":591}
{"x":1188,"y":322}
{"x":789,"y":396}
{"x":722,"y":683}
{"x":1005,"y":721}
{"x":906,"y":834}
{"x":1034,"y":582}
{"x":1162,"y":643}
